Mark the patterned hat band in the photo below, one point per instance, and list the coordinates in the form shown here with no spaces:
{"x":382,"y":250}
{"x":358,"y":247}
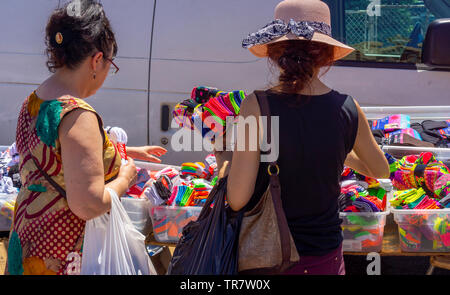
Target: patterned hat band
{"x":279,"y":28}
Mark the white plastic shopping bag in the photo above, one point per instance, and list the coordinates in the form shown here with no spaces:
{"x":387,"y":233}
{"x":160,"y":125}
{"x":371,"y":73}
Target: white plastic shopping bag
{"x":113,"y":246}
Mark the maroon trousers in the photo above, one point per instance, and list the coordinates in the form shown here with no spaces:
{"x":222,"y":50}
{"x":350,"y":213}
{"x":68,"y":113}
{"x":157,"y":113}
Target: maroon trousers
{"x":328,"y":264}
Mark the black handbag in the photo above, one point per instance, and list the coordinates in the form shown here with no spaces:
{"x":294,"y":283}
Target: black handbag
{"x":209,"y":246}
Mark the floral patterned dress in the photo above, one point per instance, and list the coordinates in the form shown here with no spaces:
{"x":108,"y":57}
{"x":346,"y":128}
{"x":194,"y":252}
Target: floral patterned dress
{"x":46,"y":236}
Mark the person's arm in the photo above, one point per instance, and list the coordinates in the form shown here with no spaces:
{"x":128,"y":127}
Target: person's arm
{"x":82,"y":160}
{"x":242,"y":170}
{"x":367,"y":158}
{"x":146,"y":153}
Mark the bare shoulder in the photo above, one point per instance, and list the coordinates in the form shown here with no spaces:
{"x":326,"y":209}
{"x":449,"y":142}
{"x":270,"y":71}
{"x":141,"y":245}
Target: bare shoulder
{"x":79,"y":124}
{"x":250,"y":106}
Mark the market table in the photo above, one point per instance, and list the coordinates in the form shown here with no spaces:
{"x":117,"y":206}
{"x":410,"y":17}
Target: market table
{"x":391,"y":245}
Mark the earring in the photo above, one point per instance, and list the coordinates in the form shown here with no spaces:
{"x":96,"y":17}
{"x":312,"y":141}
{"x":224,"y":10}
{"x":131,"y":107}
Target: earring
{"x":95,"y":75}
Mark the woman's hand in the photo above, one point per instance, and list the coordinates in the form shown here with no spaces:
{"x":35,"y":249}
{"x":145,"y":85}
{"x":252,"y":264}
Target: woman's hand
{"x":146,"y":153}
{"x":128,"y":173}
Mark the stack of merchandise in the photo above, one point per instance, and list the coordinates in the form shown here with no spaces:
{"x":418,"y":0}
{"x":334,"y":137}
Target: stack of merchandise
{"x":362,"y":204}
{"x":360,"y":193}
{"x":178,"y":198}
{"x":422,"y":182}
{"x":423,"y":185}
{"x":398,"y":130}
{"x":208,"y":109}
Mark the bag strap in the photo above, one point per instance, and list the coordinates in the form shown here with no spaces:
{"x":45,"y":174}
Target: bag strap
{"x":48,"y":178}
{"x":275,"y":187}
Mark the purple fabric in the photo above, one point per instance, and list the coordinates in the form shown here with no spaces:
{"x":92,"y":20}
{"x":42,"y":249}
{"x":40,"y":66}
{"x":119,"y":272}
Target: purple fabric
{"x":328,"y":264}
{"x":365,"y":205}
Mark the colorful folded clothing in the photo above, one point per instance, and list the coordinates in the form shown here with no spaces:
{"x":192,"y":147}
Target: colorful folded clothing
{"x":418,"y":171}
{"x":355,"y":198}
{"x":408,"y":131}
{"x":445,"y":132}
{"x":197,"y":169}
{"x":208,"y":109}
{"x":153,"y":196}
{"x":392,"y":123}
{"x":442,"y":187}
{"x":169,"y":171}
{"x":414,"y":199}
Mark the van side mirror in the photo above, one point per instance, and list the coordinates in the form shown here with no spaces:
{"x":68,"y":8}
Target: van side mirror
{"x":436,"y":49}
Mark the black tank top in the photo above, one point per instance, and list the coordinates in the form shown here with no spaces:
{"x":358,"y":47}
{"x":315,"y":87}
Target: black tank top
{"x":315,"y":138}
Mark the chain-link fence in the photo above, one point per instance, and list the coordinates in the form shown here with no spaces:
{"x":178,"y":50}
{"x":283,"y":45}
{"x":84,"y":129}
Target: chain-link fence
{"x":398,"y":27}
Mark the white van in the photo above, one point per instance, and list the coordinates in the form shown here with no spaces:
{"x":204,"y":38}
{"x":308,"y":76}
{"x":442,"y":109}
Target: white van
{"x":167,"y":47}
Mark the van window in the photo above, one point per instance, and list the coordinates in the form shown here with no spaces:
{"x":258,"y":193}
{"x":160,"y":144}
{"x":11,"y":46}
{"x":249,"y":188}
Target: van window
{"x":389,"y":31}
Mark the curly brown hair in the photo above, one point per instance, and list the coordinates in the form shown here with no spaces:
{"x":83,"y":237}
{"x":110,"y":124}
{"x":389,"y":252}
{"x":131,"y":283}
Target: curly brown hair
{"x":82,"y":35}
{"x":299,"y":61}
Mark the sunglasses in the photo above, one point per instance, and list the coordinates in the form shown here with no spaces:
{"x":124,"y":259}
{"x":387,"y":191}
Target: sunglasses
{"x":114,"y":68}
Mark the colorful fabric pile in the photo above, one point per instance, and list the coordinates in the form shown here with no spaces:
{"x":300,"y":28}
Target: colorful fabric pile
{"x":398,"y":130}
{"x":355,"y":198}
{"x":419,"y":171}
{"x":189,"y":187}
{"x":193,"y":193}
{"x":168,"y":223}
{"x":208,"y":109}
{"x":392,"y":123}
{"x":137,"y":190}
{"x":363,"y":233}
{"x":409,"y":131}
{"x":362,"y":202}
{"x":424,"y":232}
{"x":422,"y":182}
{"x":177,"y":201}
{"x":414,"y":199}
{"x":360,"y":193}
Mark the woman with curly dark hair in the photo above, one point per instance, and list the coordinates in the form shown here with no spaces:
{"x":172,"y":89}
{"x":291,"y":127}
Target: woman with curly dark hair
{"x":320,"y":130}
{"x":67,"y":163}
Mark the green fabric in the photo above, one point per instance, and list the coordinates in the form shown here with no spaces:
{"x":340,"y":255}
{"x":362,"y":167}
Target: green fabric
{"x":393,"y":167}
{"x":217,"y":119}
{"x":236,"y":107}
{"x":359,"y":220}
{"x":363,"y":233}
{"x":37,"y":188}
{"x":15,"y":266}
{"x":214,"y":181}
{"x":377,"y":192}
{"x":48,"y":121}
{"x":186,"y":196}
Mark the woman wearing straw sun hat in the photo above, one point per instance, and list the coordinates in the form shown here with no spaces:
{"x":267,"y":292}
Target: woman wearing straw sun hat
{"x":320,"y":130}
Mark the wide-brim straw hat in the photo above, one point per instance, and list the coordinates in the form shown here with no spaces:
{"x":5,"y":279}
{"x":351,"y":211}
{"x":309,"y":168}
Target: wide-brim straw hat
{"x":297,"y":20}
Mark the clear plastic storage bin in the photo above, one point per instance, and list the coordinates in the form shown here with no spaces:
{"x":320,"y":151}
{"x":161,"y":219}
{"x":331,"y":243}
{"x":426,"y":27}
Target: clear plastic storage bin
{"x":363,"y":231}
{"x":6,"y":210}
{"x":169,"y":221}
{"x":138,"y":211}
{"x":423,"y":230}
